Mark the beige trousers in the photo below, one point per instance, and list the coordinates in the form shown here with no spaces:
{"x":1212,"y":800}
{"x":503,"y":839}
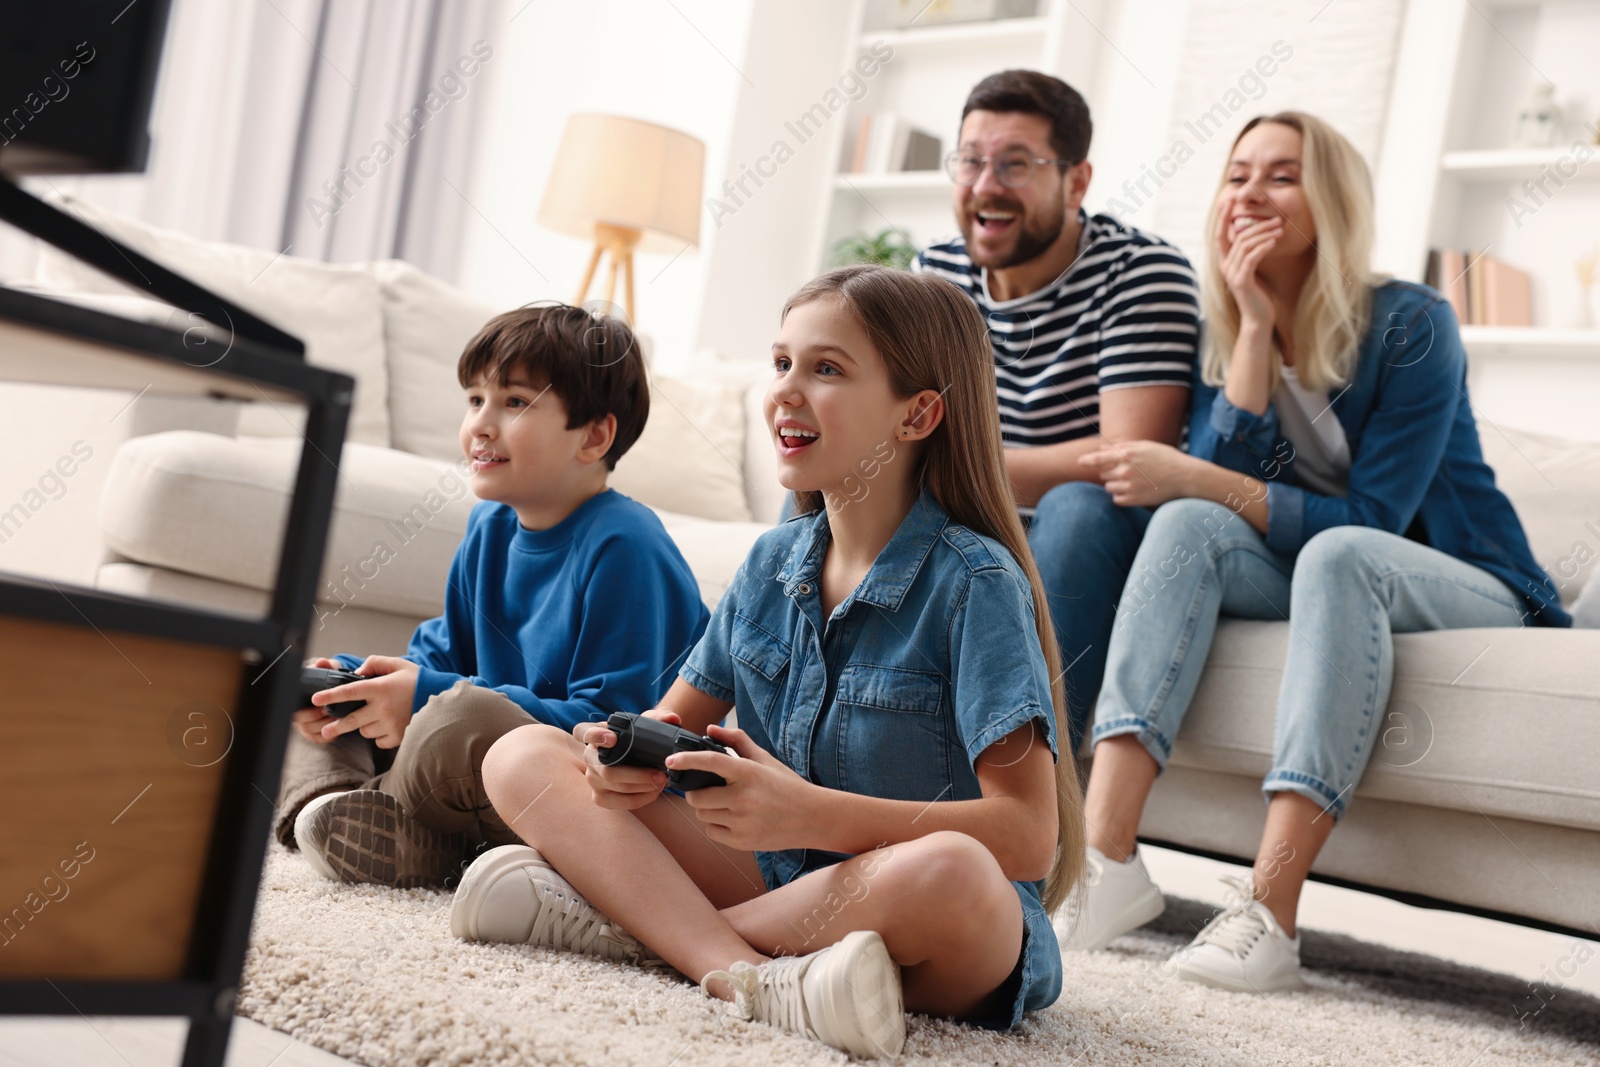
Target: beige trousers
{"x":436,"y":773}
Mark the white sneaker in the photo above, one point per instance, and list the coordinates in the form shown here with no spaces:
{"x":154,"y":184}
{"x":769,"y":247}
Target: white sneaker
{"x":1115,"y":898}
{"x":846,"y":995}
{"x":303,"y":835}
{"x":1243,"y":949}
{"x":512,"y":894}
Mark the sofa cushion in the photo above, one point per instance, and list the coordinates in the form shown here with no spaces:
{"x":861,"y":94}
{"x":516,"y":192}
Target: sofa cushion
{"x":1555,"y":485}
{"x":713,"y":550}
{"x":215,"y":507}
{"x":1499,"y":722}
{"x":334,"y":629}
{"x":690,"y":458}
{"x":426,"y":324}
{"x":334,"y":309}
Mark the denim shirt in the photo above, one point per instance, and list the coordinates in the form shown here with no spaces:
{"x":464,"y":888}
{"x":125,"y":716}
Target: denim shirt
{"x":1416,"y":465}
{"x":929,"y":661}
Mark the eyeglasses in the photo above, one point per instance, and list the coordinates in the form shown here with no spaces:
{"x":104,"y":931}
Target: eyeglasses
{"x":1013,"y":169}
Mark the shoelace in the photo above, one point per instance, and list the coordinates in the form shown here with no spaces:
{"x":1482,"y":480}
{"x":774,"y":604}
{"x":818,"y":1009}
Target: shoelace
{"x":771,"y":993}
{"x":1240,"y":926}
{"x":575,"y":925}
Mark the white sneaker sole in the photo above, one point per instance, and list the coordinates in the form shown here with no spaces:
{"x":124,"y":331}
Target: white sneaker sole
{"x":1281,"y":984}
{"x":865,"y":1009}
{"x":303,"y":835}
{"x":1145,"y":908}
{"x":486,"y":870}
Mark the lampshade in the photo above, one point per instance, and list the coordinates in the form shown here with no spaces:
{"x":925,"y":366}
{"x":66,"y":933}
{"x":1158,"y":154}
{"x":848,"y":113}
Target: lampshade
{"x":627,"y":173}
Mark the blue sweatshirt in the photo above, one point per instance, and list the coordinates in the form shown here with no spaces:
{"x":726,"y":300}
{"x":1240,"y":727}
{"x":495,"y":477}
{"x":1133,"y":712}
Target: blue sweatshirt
{"x":591,"y":616}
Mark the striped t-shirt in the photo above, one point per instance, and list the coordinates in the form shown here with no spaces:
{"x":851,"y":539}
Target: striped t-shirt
{"x":1126,"y":313}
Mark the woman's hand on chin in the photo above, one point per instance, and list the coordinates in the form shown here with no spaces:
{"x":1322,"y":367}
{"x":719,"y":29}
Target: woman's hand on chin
{"x":1240,"y":257}
{"x":1143,"y":474}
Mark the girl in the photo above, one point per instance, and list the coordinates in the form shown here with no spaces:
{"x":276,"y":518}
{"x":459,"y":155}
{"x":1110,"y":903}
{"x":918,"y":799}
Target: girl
{"x":895,"y":826}
{"x":1335,"y":480}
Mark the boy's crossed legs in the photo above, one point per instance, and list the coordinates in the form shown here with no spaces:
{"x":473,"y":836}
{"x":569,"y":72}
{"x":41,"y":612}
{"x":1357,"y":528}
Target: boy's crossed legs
{"x":405,"y":816}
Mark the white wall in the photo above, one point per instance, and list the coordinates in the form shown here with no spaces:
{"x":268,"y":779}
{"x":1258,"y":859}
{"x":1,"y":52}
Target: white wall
{"x":673,"y":64}
{"x":763,"y":248}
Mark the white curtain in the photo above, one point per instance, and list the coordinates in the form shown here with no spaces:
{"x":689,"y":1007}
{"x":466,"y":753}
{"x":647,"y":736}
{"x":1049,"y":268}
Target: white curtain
{"x":261,"y":102}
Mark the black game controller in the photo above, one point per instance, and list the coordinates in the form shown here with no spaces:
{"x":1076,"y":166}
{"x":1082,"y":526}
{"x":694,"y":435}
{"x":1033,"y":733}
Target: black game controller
{"x":645,"y":742}
{"x":316,"y":679}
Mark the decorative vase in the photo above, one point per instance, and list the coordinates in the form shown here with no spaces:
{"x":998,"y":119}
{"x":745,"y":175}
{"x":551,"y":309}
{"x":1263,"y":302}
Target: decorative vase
{"x":1539,"y":118}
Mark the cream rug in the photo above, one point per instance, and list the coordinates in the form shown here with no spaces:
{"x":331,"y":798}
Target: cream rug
{"x":373,"y":975}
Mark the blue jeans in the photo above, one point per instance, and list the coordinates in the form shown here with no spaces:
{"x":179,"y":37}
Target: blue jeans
{"x":1344,"y":595}
{"x":1084,"y":545}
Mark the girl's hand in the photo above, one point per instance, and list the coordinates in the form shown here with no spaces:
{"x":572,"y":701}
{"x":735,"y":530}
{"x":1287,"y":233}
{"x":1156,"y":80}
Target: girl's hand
{"x":1143,"y":474}
{"x":619,"y":787}
{"x":389,"y":686}
{"x":764,"y":807}
{"x":1239,"y":256}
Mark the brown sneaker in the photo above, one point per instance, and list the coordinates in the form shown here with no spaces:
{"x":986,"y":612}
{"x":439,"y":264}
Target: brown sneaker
{"x":364,"y":835}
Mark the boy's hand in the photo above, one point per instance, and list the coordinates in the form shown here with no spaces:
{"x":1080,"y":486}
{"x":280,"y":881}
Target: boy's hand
{"x":620,"y":787}
{"x":389,"y":687}
{"x":310,"y":720}
{"x":765,"y":806}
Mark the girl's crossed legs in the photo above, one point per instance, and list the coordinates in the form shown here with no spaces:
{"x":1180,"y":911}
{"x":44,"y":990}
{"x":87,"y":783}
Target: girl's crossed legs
{"x":941,"y":903}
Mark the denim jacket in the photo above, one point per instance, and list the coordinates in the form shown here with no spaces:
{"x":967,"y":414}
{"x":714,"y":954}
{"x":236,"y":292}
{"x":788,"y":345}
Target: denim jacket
{"x":1416,"y":465}
{"x":932,"y":659}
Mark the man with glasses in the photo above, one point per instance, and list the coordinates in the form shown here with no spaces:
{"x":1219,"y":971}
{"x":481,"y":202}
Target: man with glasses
{"x":1095,"y":328}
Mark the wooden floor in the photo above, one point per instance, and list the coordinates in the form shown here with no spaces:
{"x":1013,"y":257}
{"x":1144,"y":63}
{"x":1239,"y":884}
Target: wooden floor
{"x":80,"y":1042}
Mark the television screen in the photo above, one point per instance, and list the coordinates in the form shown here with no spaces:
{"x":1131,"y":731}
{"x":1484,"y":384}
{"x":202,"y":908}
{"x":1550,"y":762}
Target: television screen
{"x":76,"y":80}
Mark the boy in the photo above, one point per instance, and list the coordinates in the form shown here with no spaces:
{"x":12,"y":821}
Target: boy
{"x":566,"y":601}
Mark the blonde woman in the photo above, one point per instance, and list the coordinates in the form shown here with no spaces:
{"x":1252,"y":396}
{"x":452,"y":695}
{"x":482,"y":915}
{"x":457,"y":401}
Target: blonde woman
{"x":1335,"y":479}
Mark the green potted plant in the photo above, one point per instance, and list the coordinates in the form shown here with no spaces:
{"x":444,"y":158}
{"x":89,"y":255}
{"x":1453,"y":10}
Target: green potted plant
{"x":886,"y":248}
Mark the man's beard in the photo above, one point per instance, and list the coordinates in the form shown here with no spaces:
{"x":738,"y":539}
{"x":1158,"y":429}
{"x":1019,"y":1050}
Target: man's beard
{"x":1032,"y":240}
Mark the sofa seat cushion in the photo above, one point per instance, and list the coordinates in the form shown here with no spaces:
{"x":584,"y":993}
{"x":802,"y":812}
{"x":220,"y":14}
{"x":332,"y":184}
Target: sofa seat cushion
{"x":1498,"y":722}
{"x":215,"y":507}
{"x":351,"y":629}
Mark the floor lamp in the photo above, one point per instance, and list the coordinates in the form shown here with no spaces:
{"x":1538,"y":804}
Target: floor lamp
{"x":628,"y":185}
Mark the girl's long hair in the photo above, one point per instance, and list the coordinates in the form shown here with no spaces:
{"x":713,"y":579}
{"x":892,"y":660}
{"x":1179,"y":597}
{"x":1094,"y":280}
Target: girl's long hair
{"x":932,"y":336}
{"x":1336,"y":301}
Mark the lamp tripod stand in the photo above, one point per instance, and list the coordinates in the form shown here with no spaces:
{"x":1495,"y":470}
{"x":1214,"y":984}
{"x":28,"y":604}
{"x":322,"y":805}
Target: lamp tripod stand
{"x":618,"y":242}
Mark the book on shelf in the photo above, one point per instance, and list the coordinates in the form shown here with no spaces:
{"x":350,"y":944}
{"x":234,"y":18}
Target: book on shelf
{"x":1484,"y":291}
{"x":886,"y":143}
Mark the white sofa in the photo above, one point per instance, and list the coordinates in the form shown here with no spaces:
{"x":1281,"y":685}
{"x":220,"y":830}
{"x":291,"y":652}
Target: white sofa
{"x":1483,"y":792}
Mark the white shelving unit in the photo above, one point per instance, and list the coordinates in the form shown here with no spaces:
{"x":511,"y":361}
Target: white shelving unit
{"x":1467,"y":68}
{"x":1450,"y":178}
{"x":1499,"y":165}
{"x":1537,"y":342}
{"x":926,"y":82}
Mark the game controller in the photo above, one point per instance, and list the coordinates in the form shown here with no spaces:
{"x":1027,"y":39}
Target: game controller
{"x":316,"y":679}
{"x":646,"y":742}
